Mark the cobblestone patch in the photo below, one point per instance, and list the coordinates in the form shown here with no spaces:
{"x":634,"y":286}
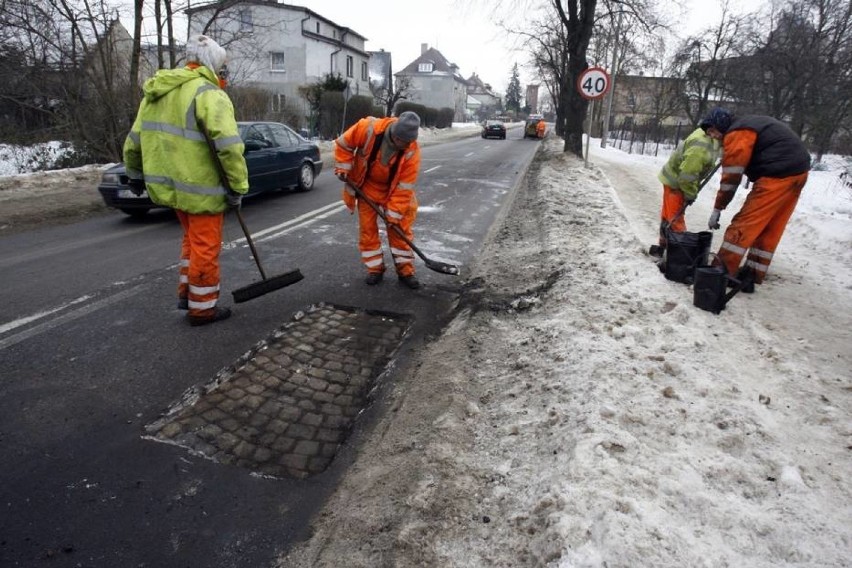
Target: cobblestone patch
{"x":284,"y":407}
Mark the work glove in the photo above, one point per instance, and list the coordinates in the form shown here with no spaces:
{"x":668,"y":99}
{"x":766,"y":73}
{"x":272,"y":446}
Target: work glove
{"x":350,"y":200}
{"x":713,"y":222}
{"x":234,"y":200}
{"x":137,"y":186}
{"x":340,"y":174}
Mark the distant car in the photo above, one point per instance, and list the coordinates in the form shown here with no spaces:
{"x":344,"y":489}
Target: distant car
{"x":277,"y":158}
{"x":531,"y":128}
{"x":494,"y":129}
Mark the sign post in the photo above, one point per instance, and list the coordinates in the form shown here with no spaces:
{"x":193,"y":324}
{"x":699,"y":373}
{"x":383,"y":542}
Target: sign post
{"x":593,"y":83}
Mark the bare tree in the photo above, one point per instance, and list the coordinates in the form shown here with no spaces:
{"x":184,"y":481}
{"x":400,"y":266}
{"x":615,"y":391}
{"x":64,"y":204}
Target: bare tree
{"x":391,"y":93}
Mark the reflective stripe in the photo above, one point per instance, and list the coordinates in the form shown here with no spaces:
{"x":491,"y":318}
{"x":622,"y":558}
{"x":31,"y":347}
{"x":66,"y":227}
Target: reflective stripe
{"x":409,"y":186}
{"x":756,"y":266}
{"x":733,"y":248}
{"x":186,"y":188}
{"x":184,"y":262}
{"x":134,"y":136}
{"x":688,"y":177}
{"x":728,"y":187}
{"x":402,"y":252}
{"x":202,"y":290}
{"x":342,"y":143}
{"x":394,"y":214}
{"x":184,"y":279}
{"x":760,"y":253}
{"x":402,"y":260}
{"x":201,"y":305}
{"x":704,"y":144}
{"x":369,"y":253}
{"x":343,"y":165}
{"x":349,"y":190}
{"x":733,"y":169}
{"x":134,"y":174}
{"x":374,"y":263}
{"x":222,"y":143}
{"x":185,"y":133}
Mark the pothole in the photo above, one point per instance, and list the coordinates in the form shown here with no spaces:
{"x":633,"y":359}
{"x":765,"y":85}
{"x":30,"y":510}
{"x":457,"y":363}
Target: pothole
{"x":284,"y":408}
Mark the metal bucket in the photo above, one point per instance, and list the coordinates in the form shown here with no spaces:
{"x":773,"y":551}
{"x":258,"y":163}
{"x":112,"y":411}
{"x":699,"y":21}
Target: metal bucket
{"x":708,"y":288}
{"x":684,"y":252}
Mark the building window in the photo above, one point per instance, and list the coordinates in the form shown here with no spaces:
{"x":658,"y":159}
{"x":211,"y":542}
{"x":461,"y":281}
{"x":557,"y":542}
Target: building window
{"x":425,"y":67}
{"x":364,"y":74}
{"x":278,"y":102}
{"x":246,"y":22}
{"x":350,"y":66}
{"x":318,"y":27}
{"x":277,"y":62}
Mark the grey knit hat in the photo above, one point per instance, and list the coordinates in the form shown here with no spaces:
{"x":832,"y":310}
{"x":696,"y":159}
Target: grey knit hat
{"x":203,"y":50}
{"x":406,"y":127}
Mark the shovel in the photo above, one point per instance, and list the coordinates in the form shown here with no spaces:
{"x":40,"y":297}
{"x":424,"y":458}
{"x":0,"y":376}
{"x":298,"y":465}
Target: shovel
{"x":435,"y":265}
{"x":267,"y":284}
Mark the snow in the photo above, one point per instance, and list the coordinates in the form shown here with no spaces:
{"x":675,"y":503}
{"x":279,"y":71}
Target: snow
{"x":580,"y":412}
{"x":583,"y":413}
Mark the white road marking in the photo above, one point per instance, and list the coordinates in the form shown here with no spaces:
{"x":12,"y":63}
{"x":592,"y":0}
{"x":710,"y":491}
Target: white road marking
{"x":431,"y":169}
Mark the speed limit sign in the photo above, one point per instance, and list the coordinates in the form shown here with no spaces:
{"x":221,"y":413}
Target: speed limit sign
{"x":593,"y":83}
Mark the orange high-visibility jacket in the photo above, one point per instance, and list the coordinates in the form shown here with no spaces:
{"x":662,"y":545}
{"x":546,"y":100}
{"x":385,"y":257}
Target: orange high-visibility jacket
{"x":353,"y":149}
{"x":759,"y":146}
{"x":540,"y":129}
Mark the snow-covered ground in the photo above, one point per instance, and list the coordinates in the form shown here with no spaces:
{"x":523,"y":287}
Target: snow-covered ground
{"x":580,"y":411}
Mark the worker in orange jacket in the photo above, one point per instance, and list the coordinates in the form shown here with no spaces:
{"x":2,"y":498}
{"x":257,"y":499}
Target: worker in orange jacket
{"x":540,"y":128}
{"x":381,"y":157}
{"x":777,"y":163}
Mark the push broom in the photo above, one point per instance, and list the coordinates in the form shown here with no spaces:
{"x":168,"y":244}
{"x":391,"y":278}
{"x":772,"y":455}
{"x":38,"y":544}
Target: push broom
{"x":266,"y":285}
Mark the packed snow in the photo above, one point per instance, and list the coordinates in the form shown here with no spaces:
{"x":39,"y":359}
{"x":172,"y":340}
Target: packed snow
{"x":580,"y":411}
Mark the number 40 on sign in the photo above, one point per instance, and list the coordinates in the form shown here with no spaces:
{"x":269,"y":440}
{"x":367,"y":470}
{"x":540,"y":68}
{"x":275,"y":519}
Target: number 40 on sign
{"x":593,"y":83}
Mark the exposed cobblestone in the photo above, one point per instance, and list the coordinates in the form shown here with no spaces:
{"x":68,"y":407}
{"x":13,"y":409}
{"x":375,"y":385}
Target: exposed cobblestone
{"x":285,"y":407}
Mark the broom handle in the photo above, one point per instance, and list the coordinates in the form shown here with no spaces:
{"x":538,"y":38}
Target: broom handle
{"x":223,"y":178}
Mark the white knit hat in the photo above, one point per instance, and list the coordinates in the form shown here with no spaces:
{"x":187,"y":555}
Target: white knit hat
{"x":203,"y":50}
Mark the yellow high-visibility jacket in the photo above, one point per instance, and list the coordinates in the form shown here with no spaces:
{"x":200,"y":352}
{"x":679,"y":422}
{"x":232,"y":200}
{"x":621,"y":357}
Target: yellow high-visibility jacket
{"x":166,"y":148}
{"x":691,"y":161}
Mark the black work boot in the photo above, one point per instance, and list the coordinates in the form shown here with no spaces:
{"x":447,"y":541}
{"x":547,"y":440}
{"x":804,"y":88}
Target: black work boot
{"x":746,"y":276}
{"x":183,"y":304}
{"x":219,"y":315}
{"x":656,"y":251}
{"x":374,"y":278}
{"x":410,"y":281}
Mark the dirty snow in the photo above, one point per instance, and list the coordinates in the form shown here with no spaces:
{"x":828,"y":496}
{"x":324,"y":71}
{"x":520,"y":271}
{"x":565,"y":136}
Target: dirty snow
{"x":581,"y":412}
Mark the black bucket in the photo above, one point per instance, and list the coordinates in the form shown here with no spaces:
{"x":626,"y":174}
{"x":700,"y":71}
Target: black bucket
{"x":709,"y":287}
{"x":684,"y":252}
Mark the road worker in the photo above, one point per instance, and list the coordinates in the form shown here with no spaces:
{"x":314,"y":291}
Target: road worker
{"x":167,"y":154}
{"x":777,"y":163}
{"x":540,"y":128}
{"x":681,"y":176}
{"x":381,"y":157}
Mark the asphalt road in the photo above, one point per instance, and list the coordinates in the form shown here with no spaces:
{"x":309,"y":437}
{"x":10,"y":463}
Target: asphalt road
{"x":92,"y":349}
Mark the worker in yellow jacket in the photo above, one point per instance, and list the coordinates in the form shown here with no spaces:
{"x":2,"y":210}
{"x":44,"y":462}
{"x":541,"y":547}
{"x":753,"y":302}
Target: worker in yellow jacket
{"x":692,"y":161}
{"x":381,"y":157}
{"x":167,"y":154}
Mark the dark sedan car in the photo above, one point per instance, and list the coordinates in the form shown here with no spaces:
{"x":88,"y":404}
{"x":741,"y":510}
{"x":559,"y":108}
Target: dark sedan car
{"x":494,"y":129}
{"x":276,"y":157}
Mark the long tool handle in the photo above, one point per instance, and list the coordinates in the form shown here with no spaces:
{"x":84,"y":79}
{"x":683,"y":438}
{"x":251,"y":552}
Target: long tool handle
{"x":435,"y":265}
{"x":223,"y":177}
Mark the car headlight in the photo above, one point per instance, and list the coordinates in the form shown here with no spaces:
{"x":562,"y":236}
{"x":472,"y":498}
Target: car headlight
{"x":111,"y":178}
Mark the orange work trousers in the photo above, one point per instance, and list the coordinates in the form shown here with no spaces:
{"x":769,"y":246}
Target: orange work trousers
{"x":673,"y":200}
{"x":199,"y":261}
{"x":370,"y":244}
{"x":759,"y":225}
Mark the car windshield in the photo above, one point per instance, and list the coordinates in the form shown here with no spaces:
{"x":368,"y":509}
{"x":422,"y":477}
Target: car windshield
{"x":493,"y":123}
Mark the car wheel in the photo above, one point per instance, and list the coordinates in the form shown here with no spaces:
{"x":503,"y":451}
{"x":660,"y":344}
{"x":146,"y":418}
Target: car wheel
{"x":135,"y":213}
{"x":306,"y":177}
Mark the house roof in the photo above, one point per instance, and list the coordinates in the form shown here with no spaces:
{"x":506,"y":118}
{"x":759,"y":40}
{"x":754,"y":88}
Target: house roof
{"x":271,"y":4}
{"x":440,"y":64}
